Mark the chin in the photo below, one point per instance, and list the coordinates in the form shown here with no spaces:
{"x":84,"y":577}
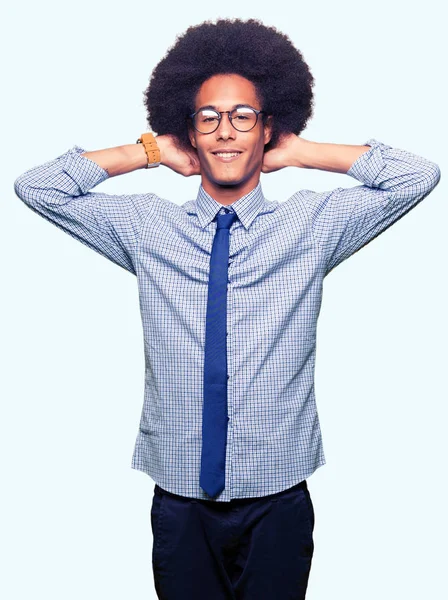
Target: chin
{"x":227,"y":180}
{"x":228,"y":184}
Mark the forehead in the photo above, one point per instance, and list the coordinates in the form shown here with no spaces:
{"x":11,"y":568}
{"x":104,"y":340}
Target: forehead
{"x":225,"y":91}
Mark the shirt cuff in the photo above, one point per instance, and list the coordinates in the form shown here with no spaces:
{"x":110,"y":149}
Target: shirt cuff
{"x":85,"y":173}
{"x":369,"y":165}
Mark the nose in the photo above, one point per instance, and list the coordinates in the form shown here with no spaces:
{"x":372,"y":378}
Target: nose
{"x":225,"y":128}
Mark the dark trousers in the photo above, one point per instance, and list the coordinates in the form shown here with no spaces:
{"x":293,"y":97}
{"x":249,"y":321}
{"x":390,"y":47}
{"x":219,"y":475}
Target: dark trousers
{"x":246,"y":549}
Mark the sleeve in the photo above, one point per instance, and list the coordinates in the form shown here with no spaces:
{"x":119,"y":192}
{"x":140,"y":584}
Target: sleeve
{"x":59,"y":191}
{"x":346,"y":219}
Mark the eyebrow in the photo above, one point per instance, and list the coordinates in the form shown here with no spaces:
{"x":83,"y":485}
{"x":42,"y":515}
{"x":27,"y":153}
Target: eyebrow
{"x":233,"y":107}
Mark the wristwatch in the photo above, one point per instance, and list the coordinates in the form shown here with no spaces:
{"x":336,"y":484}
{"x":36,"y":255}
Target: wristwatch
{"x":151,"y":148}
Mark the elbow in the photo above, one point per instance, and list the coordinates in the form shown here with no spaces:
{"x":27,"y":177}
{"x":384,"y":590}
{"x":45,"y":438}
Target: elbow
{"x":432,"y":176}
{"x":21,"y":188}
{"x":437,"y":175}
{"x":425,"y":183}
{"x":26,"y":189}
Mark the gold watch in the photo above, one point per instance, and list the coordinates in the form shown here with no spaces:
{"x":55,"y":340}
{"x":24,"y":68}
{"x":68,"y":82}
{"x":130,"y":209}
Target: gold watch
{"x":151,"y":148}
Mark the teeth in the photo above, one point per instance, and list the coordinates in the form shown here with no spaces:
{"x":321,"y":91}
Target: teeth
{"x":227,"y":154}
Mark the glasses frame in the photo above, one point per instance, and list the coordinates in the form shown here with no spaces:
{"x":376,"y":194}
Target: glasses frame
{"x":220,"y":113}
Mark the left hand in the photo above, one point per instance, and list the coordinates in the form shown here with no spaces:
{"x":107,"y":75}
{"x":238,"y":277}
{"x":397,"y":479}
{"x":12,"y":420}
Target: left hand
{"x":287,"y":153}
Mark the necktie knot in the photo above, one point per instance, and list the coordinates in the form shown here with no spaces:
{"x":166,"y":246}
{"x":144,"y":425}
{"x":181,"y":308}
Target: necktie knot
{"x":225,"y":221}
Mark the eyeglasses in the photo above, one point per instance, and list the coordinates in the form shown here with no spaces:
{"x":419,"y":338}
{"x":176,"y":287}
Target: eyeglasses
{"x":243,"y":118}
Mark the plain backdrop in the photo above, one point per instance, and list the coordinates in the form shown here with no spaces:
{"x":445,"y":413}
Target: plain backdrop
{"x":75,"y":518}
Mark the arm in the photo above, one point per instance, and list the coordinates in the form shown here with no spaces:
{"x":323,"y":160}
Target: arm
{"x":123,"y":159}
{"x":119,"y":160}
{"x":337,"y":158}
{"x":58,"y":190}
{"x":295,"y":151}
{"x":343,"y":220}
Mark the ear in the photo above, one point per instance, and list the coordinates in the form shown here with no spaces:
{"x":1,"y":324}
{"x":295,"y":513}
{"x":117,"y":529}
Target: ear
{"x":268,"y":126}
{"x":192,"y":135}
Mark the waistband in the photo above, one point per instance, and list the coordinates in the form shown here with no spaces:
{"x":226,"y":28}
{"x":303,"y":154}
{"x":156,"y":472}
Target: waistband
{"x":301,"y":485}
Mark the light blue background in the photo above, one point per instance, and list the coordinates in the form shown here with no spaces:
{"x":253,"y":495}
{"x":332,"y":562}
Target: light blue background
{"x":75,"y":518}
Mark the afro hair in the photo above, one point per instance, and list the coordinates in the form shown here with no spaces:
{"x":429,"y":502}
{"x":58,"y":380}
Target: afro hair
{"x":261,"y":54}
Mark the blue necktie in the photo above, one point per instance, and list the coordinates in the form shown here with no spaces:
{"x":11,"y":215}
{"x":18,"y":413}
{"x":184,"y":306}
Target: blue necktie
{"x":214,"y":413}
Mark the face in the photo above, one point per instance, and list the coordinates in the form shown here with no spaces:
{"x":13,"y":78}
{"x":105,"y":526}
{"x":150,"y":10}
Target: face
{"x":228,"y":180}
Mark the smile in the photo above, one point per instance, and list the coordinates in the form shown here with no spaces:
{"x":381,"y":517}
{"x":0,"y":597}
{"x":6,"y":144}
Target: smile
{"x":226,"y":156}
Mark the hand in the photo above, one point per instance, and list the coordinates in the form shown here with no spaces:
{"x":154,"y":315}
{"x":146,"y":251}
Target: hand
{"x":289,"y":152}
{"x":177,"y":159}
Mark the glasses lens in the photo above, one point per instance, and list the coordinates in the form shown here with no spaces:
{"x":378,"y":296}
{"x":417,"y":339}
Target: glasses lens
{"x":243,"y":118}
{"x":206,"y":120}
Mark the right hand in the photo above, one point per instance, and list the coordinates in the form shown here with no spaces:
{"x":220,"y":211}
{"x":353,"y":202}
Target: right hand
{"x":177,"y":159}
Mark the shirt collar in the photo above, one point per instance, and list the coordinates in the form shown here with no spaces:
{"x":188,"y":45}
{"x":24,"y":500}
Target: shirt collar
{"x":247,"y":208}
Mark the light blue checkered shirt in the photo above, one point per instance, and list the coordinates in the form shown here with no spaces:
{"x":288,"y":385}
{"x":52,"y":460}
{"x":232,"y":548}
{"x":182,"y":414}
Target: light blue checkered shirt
{"x":279,"y":254}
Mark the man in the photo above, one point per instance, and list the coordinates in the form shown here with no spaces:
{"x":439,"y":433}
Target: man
{"x":230,"y":290}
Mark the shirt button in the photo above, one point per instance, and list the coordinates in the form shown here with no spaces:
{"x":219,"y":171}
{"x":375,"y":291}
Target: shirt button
{"x":228,"y":376}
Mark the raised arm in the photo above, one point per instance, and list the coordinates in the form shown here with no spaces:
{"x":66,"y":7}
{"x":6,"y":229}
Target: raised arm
{"x":119,"y":160}
{"x":343,"y":220}
{"x":123,"y":159}
{"x":58,"y":190}
{"x":295,"y":151}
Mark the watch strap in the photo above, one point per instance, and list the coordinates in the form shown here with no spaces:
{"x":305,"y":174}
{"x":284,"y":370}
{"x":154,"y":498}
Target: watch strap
{"x":151,"y":148}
